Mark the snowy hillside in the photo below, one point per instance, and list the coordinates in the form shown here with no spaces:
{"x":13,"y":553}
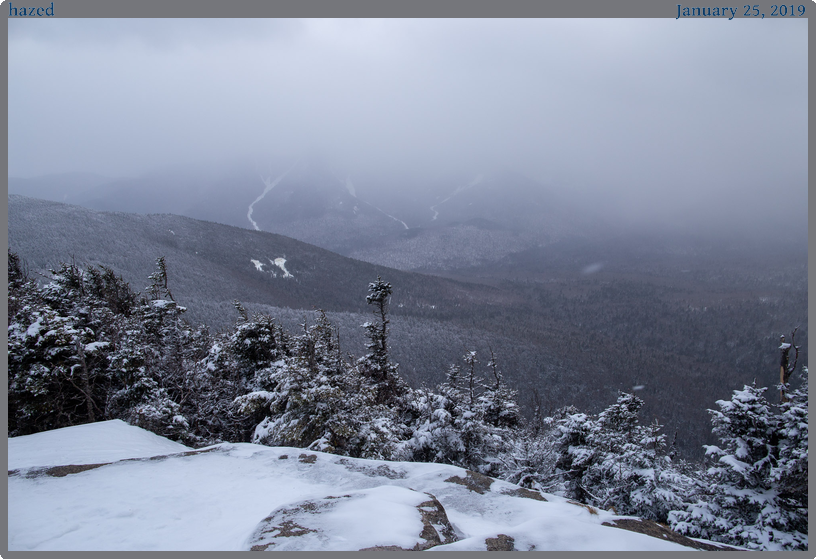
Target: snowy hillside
{"x":93,"y":487}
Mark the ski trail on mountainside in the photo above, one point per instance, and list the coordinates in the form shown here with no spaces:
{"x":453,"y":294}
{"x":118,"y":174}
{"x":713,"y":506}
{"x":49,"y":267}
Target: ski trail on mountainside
{"x":471,"y":184}
{"x":269,"y":186}
{"x":351,"y":190}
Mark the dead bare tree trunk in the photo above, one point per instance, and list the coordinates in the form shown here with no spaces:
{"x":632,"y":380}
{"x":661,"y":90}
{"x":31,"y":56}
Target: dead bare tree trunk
{"x":85,"y":379}
{"x":785,"y":367}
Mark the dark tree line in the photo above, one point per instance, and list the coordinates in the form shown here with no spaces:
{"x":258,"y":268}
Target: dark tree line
{"x":85,"y":347}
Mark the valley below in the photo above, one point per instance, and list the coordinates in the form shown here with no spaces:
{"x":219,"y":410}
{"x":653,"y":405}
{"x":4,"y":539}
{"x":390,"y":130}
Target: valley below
{"x":574,"y":316}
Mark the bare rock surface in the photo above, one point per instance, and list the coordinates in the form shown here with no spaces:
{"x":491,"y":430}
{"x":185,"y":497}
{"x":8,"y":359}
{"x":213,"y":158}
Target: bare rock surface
{"x":476,"y":482}
{"x":651,"y":528}
{"x":502,"y":542}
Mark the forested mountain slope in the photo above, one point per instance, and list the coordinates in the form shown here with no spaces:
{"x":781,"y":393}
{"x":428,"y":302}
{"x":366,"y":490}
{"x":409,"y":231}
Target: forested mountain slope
{"x":575,"y":320}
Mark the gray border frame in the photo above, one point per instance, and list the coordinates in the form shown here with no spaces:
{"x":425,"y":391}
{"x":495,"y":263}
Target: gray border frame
{"x":346,"y":8}
{"x":376,"y":8}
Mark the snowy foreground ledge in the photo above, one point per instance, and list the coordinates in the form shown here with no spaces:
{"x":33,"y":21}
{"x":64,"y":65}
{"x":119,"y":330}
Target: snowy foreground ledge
{"x":111,"y":486}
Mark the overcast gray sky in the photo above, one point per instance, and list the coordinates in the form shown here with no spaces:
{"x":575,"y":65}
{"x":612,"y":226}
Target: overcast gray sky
{"x":649,"y":115}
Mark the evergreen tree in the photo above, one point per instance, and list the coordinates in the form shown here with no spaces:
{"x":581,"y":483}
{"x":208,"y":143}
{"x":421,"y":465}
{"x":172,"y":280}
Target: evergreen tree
{"x":85,"y":348}
{"x":497,"y":403}
{"x":463,"y":423}
{"x":154,"y":355}
{"x":59,"y":340}
{"x":241,"y":363}
{"x":378,"y":295}
{"x":613,"y":462}
{"x":303,"y":395}
{"x":791,"y":470}
{"x":575,"y":451}
{"x":435,"y":435}
{"x":20,"y":285}
{"x":530,"y":462}
{"x":310,"y":397}
{"x":745,"y":504}
{"x":382,"y":375}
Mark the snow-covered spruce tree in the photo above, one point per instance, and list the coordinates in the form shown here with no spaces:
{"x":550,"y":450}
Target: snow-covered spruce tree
{"x":498,"y":402}
{"x":59,"y":339}
{"x":24,"y":302}
{"x":497,"y":410}
{"x":575,"y":451}
{"x":745,"y":505}
{"x":41,"y":360}
{"x":611,"y":461}
{"x":303,"y":396}
{"x":341,"y":397}
{"x":435,"y":434}
{"x":21,"y":288}
{"x":310,"y":397}
{"x":166,"y":331}
{"x":530,"y":461}
{"x":481,"y":441}
{"x":382,"y":409}
{"x":84,"y":348}
{"x":240,"y":363}
{"x":463,"y":423}
{"x":375,"y":366}
{"x":112,"y":289}
{"x":791,"y":471}
{"x":154,"y":355}
{"x":231,"y":367}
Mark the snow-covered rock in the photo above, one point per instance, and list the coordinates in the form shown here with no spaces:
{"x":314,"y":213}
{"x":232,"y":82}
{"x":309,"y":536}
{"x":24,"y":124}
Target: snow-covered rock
{"x":385,"y":517}
{"x":106,"y":441}
{"x":128,"y":489}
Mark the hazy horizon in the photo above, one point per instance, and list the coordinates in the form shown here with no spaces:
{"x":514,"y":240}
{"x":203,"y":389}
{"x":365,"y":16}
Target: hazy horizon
{"x":650,"y":121}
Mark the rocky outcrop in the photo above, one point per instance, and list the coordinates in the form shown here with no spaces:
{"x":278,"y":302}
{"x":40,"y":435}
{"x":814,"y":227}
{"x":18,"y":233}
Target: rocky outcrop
{"x":390,"y":518}
{"x":501,"y":542}
{"x":476,"y":482}
{"x":651,"y":528}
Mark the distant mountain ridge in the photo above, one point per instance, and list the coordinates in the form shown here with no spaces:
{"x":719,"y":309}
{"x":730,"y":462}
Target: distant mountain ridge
{"x":252,"y":266}
{"x":429,"y":223}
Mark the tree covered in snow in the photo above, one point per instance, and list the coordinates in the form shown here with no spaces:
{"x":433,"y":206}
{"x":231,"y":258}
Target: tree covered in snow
{"x":791,"y":471}
{"x":84,"y":347}
{"x":60,"y":337}
{"x":382,"y":375}
{"x":531,"y":457}
{"x":153,"y":361}
{"x":310,"y":396}
{"x":463,"y":423}
{"x":755,"y":497}
{"x":300,"y":395}
{"x":436,"y":435}
{"x":612,"y":461}
{"x":498,"y":402}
